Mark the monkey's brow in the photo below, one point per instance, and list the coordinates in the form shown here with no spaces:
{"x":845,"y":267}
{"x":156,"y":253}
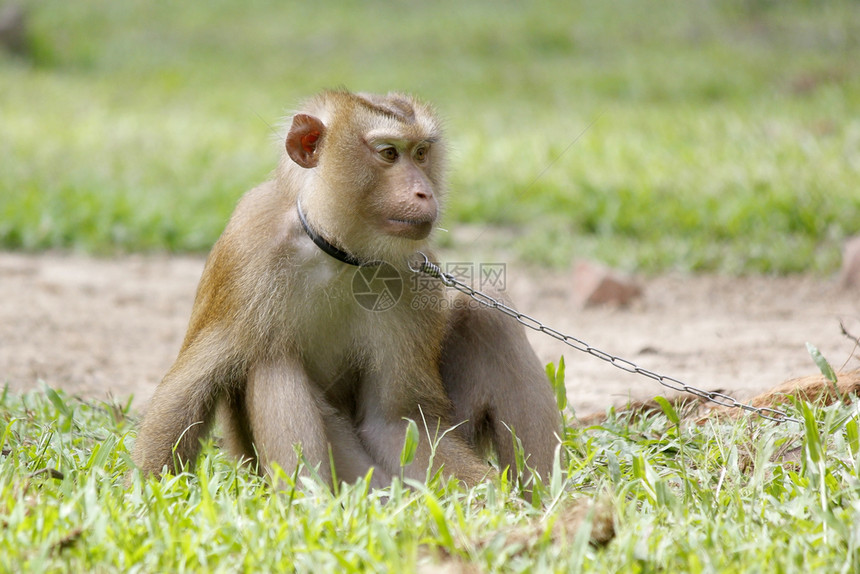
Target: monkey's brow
{"x":388,"y":136}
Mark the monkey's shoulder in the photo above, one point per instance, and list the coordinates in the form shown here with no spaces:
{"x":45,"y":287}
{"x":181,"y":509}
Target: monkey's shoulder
{"x":258,"y":210}
{"x":264,"y":223}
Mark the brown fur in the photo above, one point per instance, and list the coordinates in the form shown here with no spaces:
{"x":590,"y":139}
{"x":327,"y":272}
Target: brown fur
{"x":279,"y":345}
{"x":813,"y":389}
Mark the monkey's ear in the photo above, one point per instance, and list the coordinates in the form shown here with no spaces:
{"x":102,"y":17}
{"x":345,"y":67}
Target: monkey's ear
{"x":304,"y":138}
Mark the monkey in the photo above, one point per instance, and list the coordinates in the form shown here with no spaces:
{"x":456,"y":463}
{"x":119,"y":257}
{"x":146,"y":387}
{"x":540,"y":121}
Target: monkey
{"x":280,"y":350}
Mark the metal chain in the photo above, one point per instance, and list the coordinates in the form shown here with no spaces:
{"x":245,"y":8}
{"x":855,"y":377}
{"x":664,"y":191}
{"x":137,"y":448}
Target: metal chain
{"x":449,"y":280}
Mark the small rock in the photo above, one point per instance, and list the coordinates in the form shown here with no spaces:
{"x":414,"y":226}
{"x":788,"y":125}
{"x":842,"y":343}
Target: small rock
{"x":849,"y":276}
{"x":597,"y":284}
{"x":13,"y":29}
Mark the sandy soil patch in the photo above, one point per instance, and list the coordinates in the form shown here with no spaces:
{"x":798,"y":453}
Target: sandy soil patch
{"x":112,"y":327}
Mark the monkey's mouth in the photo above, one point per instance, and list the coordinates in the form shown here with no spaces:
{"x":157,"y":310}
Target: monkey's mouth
{"x":410,"y":228}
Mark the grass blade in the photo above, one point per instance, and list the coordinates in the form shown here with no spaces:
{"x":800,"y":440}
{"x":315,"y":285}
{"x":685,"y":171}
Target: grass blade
{"x":668,"y":410}
{"x":822,"y":363}
{"x":410,"y":444}
{"x":556,"y":379}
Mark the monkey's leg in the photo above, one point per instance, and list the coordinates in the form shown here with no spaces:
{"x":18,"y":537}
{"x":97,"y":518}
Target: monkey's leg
{"x":495,"y":381}
{"x":236,"y":426}
{"x":181,"y":410}
{"x":351,"y":459}
{"x":382,"y":428}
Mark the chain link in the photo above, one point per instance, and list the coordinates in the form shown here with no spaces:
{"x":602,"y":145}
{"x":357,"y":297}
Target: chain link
{"x":716,"y":397}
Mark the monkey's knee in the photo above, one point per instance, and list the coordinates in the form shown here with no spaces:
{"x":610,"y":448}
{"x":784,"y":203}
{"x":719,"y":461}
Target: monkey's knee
{"x":496,"y":383}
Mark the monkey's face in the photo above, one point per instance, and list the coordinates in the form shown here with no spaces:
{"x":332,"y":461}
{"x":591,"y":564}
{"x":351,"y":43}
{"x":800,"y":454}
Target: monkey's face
{"x":402,"y":201}
{"x":380,"y":161}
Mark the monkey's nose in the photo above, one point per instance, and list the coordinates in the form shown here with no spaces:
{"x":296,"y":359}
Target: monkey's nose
{"x":422,"y":190}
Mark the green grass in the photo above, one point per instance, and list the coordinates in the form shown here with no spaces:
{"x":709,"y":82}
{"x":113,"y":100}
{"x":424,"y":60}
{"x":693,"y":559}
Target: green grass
{"x":694,"y":135}
{"x":723,"y":496}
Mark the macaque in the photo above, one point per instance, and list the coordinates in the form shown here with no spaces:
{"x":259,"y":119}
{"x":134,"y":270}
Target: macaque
{"x":280,"y":347}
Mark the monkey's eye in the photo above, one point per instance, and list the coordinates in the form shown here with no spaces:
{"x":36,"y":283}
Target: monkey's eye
{"x":420,"y":153}
{"x":388,"y":153}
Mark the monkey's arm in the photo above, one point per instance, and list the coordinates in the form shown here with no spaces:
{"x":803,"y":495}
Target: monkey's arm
{"x":285,"y":408}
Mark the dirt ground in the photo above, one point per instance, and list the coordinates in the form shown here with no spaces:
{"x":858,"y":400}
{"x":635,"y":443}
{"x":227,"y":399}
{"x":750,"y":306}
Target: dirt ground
{"x":112,"y":327}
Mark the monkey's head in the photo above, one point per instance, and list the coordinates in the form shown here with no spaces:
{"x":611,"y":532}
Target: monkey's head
{"x":373,"y":171}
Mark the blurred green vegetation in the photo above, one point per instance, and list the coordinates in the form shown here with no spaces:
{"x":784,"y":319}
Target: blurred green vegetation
{"x":695,"y":135}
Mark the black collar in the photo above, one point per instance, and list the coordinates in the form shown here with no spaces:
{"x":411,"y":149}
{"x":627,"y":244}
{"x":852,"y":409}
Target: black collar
{"x":328,"y":247}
